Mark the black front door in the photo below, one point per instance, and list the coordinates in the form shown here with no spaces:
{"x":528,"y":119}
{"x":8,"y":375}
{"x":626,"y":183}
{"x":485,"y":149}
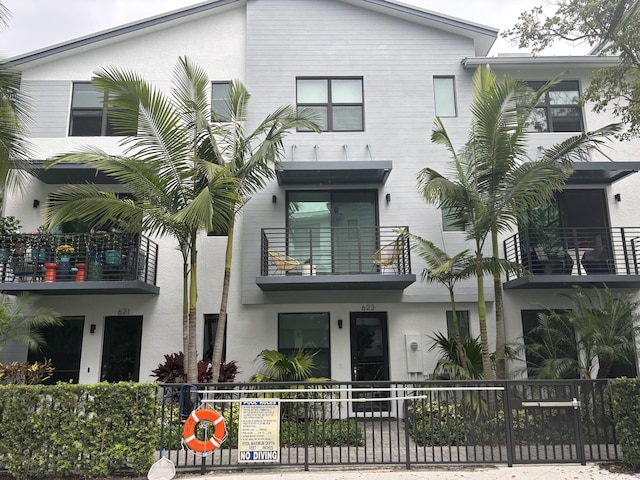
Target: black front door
{"x":369,"y":356}
{"x":121,"y":349}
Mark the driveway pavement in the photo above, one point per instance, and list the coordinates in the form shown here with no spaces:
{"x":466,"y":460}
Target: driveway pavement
{"x":521,"y":472}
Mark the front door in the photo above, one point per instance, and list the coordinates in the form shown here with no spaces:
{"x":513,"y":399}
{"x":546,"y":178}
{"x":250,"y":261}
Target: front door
{"x":369,"y":356}
{"x":121,"y":349}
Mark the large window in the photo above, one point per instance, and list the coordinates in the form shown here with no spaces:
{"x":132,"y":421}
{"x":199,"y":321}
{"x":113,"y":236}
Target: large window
{"x":220,"y":101}
{"x":558,"y":110}
{"x":333,"y":230}
{"x":63,"y":346}
{"x":463,"y":323}
{"x":444,"y":96}
{"x":89,"y":113}
{"x":337,"y":102}
{"x":309,"y":332}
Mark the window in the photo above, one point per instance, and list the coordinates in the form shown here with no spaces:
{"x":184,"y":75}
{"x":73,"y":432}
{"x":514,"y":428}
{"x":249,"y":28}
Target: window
{"x":63,"y":346}
{"x":334,"y":230}
{"x":210,"y":329}
{"x":89,"y":114}
{"x":220,"y":109}
{"x":445,"y":96}
{"x":450,"y":223}
{"x":463,"y":323}
{"x":310,"y":332}
{"x":558,"y":110}
{"x":337,"y":102}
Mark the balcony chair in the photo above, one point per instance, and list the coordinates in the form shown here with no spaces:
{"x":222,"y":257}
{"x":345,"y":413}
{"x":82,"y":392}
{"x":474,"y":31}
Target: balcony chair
{"x":598,"y":260}
{"x":387,"y":255}
{"x":282,"y":262}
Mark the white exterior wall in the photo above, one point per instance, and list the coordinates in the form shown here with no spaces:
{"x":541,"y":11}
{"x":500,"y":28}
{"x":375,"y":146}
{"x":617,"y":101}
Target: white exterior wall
{"x":267,"y":44}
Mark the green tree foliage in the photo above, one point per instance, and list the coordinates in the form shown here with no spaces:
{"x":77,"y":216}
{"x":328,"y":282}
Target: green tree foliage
{"x":179,"y":187}
{"x":20,"y":321}
{"x":494,"y":182}
{"x":278,"y":367}
{"x":611,"y":28}
{"x":586,"y":340}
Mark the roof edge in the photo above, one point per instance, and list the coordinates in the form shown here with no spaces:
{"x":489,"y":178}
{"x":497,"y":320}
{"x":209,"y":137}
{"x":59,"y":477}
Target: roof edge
{"x":524,"y":61}
{"x":117,"y":31}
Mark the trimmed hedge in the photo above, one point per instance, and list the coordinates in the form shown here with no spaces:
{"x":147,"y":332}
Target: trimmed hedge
{"x":78,"y":430}
{"x":625,"y":393}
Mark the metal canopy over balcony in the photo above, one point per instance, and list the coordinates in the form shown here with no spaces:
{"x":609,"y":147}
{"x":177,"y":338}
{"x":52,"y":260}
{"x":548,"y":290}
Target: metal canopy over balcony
{"x":64,"y":173}
{"x":338,"y":258}
{"x":568,"y":257}
{"x":333,"y":173}
{"x":601,"y":173}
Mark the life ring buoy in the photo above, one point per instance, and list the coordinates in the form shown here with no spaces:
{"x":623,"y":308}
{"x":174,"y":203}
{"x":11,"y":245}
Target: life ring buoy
{"x":189,"y":430}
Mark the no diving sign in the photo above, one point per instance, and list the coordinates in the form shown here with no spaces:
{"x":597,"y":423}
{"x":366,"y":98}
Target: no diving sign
{"x":259,"y":431}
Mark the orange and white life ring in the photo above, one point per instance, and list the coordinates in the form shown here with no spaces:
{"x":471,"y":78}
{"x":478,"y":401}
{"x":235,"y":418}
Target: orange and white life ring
{"x":189,"y":430}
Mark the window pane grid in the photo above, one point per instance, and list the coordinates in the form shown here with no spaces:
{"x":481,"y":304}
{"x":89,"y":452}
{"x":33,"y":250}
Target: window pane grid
{"x":337,"y":102}
{"x":89,"y":113}
{"x":558,"y":110}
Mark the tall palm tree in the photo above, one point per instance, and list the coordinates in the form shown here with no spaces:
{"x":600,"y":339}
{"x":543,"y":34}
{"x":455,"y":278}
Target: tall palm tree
{"x":14,"y":147}
{"x":249,"y":158}
{"x":506,"y":182}
{"x":179,"y":187}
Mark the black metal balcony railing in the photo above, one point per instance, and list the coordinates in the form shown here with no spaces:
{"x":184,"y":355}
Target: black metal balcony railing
{"x":576,"y":251}
{"x":335,"y":251}
{"x":110,"y":257}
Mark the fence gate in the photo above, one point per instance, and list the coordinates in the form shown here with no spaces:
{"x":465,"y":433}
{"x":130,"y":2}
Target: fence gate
{"x":545,"y":423}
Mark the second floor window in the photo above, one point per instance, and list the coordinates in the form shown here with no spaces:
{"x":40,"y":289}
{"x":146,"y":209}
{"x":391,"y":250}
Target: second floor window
{"x":220,"y":108}
{"x":89,"y":113}
{"x":337,"y":102}
{"x":558,"y":110}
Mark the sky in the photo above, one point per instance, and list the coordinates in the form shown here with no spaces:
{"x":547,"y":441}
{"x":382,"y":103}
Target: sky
{"x":41,"y":23}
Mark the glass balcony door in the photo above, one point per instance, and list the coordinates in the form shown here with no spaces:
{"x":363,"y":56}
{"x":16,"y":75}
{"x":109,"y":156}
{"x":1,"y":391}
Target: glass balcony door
{"x":333,"y":230}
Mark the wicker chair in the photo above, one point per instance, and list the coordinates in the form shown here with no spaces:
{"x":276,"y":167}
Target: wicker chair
{"x":282,"y":262}
{"x":387,"y":255}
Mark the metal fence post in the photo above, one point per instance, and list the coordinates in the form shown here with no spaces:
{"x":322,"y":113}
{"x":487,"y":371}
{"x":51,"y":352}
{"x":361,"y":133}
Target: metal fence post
{"x":508,"y":424}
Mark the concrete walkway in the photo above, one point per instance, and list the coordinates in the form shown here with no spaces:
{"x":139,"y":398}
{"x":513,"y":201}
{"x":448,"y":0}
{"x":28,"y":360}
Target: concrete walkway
{"x":520,"y":472}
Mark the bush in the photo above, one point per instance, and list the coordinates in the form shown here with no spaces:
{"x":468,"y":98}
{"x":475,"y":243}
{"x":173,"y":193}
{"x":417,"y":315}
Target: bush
{"x":86,"y":431}
{"x":625,"y":393}
{"x":172,"y":370}
{"x":436,"y":423}
{"x":23,"y":373}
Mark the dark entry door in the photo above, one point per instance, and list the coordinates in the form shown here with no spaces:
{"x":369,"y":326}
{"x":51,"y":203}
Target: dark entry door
{"x":121,"y":349}
{"x":369,"y":356}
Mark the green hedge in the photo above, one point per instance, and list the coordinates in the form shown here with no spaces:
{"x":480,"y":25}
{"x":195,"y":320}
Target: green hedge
{"x":625,"y":393}
{"x":78,"y":430}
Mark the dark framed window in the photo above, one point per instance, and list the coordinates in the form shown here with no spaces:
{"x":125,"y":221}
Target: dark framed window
{"x":450,"y":221}
{"x":559,"y":109}
{"x":463,"y":324}
{"x":337,"y":102}
{"x":90,"y":114}
{"x":220,"y":108}
{"x":210,"y":329}
{"x":309,"y":332}
{"x":444,"y":96}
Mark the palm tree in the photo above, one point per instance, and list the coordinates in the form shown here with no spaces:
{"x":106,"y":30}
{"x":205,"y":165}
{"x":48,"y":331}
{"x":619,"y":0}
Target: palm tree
{"x":446,"y":270}
{"x":20,"y":322}
{"x":178,"y":186}
{"x":505,"y":183}
{"x":602,"y":330}
{"x":14,"y":147}
{"x":249,"y":159}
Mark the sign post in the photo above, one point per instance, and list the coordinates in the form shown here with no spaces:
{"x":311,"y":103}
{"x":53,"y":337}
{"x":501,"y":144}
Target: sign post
{"x":259,"y":431}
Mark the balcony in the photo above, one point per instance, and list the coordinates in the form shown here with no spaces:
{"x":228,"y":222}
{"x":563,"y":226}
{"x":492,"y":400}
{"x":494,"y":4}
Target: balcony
{"x":567,"y":257}
{"x":101,"y":263}
{"x":334,"y":258}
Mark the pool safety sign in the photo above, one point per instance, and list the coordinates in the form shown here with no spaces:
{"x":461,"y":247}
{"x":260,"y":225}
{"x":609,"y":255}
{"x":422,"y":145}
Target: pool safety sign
{"x":259,"y":431}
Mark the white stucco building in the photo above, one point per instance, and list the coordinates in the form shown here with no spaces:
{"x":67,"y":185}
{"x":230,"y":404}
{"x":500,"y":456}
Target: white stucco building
{"x":379,"y":72}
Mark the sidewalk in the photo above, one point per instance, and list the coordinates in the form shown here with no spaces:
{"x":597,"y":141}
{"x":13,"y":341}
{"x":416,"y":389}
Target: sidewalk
{"x":520,"y":472}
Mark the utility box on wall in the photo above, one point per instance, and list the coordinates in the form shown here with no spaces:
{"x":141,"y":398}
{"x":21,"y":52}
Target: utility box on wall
{"x":414,"y":353}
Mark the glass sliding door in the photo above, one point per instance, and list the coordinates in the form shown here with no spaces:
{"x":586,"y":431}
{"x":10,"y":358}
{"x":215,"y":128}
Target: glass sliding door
{"x":335,"y":231}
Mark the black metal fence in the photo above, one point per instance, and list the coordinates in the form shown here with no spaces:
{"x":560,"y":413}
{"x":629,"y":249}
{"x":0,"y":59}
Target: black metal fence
{"x":398,"y":423}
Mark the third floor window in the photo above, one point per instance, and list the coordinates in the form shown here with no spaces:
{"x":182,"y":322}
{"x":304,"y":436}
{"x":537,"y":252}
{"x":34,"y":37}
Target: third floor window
{"x":558,"y":110}
{"x":337,"y":102}
{"x":89,"y":113}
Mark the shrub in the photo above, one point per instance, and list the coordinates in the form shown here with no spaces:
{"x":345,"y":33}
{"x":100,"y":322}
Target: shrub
{"x":172,"y":370}
{"x":625,"y":393}
{"x":23,"y":373}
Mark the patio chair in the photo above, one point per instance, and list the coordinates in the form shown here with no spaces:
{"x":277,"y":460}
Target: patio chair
{"x":283,"y":262}
{"x":387,"y":255}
